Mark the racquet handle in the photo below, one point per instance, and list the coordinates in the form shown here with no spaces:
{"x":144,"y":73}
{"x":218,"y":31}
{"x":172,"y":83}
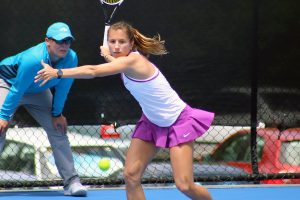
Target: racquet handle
{"x":105,"y":35}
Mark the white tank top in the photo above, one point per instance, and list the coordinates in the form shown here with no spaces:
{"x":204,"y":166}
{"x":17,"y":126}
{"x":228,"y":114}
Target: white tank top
{"x":159,"y":102}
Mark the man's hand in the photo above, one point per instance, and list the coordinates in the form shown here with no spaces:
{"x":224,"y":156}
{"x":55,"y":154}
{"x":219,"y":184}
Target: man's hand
{"x":60,"y":123}
{"x":3,"y":126}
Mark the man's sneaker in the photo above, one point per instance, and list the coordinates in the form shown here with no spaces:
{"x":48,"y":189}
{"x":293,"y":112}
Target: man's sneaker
{"x":75,"y":189}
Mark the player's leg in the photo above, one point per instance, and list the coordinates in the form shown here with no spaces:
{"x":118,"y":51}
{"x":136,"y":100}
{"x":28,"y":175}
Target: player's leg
{"x":139,"y":154}
{"x":4,"y":89}
{"x":39,"y":106}
{"x":182,"y":165}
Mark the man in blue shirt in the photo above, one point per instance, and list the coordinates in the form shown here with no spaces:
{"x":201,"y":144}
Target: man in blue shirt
{"x":17,"y":88}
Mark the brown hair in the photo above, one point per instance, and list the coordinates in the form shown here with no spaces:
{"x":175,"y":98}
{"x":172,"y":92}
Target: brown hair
{"x":143,"y":44}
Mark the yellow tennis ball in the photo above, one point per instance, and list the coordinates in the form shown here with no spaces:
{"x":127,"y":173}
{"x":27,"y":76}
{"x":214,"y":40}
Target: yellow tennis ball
{"x":104,"y":164}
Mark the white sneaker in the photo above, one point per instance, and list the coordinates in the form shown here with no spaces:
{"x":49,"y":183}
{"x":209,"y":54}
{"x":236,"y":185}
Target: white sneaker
{"x":75,"y":189}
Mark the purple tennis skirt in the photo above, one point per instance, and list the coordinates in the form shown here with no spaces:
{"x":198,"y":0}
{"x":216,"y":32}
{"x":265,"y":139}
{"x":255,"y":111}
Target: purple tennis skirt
{"x":191,"y":124}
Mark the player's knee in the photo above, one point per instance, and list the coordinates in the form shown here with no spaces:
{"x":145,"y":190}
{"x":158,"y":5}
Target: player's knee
{"x":131,"y":176}
{"x":184,"y":185}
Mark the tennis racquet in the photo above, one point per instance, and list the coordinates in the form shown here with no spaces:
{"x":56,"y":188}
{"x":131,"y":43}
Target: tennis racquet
{"x":109,"y":8}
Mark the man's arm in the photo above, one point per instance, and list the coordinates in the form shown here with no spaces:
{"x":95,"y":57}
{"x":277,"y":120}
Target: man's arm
{"x":3,"y":126}
{"x":60,"y":94}
{"x":24,"y":78}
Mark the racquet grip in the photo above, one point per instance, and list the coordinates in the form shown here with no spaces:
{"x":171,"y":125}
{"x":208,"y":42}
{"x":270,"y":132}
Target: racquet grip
{"x":105,"y":35}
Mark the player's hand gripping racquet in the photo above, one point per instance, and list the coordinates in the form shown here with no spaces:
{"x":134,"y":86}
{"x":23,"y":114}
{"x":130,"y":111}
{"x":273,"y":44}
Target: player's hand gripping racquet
{"x":109,"y":8}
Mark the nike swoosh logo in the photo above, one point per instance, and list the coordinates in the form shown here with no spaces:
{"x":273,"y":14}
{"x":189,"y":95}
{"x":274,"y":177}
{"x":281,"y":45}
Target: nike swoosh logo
{"x":185,"y":135}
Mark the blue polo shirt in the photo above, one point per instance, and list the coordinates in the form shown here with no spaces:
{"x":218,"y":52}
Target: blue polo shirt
{"x":19,"y":72}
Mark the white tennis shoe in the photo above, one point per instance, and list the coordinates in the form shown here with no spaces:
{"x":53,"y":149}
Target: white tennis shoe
{"x":75,"y":189}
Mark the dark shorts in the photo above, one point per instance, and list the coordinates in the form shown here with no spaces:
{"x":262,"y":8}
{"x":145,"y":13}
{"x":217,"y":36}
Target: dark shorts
{"x":191,"y":124}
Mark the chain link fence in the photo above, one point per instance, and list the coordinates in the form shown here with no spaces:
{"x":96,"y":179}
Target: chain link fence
{"x":238,"y":59}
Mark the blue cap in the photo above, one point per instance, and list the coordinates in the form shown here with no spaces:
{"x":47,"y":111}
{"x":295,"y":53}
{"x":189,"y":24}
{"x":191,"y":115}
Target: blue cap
{"x":59,"y":31}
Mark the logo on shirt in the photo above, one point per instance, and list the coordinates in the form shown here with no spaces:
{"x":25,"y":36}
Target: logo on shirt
{"x":186,"y":134}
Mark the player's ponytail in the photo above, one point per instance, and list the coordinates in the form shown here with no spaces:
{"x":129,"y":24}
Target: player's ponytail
{"x":149,"y":46}
{"x":145,"y":45}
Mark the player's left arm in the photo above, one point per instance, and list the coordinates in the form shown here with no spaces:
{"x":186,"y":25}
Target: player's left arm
{"x":118,"y":65}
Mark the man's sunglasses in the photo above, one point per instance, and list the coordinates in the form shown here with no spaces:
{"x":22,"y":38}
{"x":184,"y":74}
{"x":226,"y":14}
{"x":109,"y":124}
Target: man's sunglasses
{"x":64,"y":41}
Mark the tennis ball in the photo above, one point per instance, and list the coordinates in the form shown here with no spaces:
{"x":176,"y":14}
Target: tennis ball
{"x":104,"y":164}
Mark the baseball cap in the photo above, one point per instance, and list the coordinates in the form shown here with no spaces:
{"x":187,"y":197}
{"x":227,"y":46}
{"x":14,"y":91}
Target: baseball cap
{"x":59,"y":31}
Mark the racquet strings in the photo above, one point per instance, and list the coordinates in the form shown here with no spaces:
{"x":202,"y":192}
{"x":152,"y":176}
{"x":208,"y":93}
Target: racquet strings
{"x":111,"y":2}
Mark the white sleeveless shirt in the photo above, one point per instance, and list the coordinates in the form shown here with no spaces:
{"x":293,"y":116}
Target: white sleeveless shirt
{"x":159,"y":102}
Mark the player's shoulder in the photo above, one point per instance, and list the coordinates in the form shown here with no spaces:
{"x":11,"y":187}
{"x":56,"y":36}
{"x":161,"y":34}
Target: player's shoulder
{"x":135,"y":56}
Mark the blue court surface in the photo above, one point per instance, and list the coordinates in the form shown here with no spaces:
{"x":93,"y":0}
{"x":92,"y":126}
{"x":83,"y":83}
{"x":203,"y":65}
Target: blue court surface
{"x":219,"y":193}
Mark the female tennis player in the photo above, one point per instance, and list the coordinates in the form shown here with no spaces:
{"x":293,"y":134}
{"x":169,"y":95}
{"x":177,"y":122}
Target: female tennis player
{"x":166,"y":122}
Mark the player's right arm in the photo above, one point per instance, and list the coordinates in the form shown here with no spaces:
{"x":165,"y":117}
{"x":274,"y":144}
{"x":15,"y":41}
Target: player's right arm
{"x":104,"y":51}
